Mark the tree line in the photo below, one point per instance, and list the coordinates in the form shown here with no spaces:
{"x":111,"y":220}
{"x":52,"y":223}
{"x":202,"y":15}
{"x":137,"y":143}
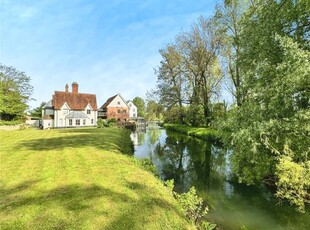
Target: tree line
{"x":260,"y":51}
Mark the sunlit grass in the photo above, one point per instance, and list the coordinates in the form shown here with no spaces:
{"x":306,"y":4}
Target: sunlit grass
{"x":199,"y":132}
{"x":79,"y":179}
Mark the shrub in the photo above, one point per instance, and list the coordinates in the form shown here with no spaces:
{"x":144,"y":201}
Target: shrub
{"x":148,"y":165}
{"x":100,"y":123}
{"x":195,"y":115}
{"x":111,"y":122}
{"x":11,"y":123}
{"x":192,"y":205}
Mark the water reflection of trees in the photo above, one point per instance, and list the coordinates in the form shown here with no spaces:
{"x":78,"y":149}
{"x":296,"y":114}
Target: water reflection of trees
{"x":205,"y":165}
{"x":191,"y":162}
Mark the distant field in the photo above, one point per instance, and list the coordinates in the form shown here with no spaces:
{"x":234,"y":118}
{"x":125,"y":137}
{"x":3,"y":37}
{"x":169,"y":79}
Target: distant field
{"x":79,"y":179}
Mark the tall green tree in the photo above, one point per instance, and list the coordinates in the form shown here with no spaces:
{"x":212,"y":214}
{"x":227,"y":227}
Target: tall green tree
{"x":272,"y":123}
{"x":190,"y":71}
{"x":139,"y":102}
{"x":200,"y":52}
{"x":154,"y":110}
{"x":37,"y":112}
{"x":15,"y":92}
{"x":171,"y":81}
{"x":230,"y":15}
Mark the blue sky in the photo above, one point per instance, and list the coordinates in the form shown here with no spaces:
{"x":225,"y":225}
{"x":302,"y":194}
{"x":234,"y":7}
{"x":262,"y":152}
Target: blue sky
{"x":108,"y":47}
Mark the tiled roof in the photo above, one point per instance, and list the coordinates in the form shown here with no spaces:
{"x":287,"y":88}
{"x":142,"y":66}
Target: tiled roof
{"x":77,"y":101}
{"x":108,"y":102}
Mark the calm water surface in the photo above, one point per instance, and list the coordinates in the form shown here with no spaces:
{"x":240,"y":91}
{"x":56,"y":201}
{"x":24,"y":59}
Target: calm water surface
{"x":205,"y":165}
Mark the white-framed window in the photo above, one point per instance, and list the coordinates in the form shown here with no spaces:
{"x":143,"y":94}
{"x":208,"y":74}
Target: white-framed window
{"x":66,"y":111}
{"x":92,"y":121}
{"x":134,"y":110}
{"x":84,"y":121}
{"x":88,"y":111}
{"x":70,"y":121}
{"x":77,"y":122}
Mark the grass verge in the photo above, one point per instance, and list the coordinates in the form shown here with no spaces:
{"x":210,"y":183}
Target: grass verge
{"x":198,"y":132}
{"x":79,"y":179}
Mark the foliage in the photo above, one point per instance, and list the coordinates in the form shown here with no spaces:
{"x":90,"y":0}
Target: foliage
{"x":190,"y":72}
{"x":264,"y":49}
{"x":148,"y":165}
{"x":154,"y":110}
{"x":205,"y":225}
{"x":169,"y":185}
{"x":15,"y":92}
{"x":198,"y":132}
{"x":194,"y":116}
{"x":192,"y":205}
{"x":37,"y":112}
{"x":68,"y":178}
{"x":293,"y":181}
{"x":230,"y":15}
{"x":175,"y":114}
{"x":110,"y":122}
{"x":11,"y":123}
{"x":100,"y":123}
{"x":274,"y":114}
{"x":139,"y":102}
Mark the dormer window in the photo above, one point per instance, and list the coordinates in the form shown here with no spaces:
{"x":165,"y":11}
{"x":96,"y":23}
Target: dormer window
{"x":88,"y":111}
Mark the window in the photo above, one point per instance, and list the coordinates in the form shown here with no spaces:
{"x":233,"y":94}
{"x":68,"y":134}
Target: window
{"x":134,"y":115}
{"x":118,"y":111}
{"x":84,"y":121}
{"x":65,"y":111}
{"x":88,"y":111}
{"x":77,"y":122}
{"x":92,"y":121}
{"x":118,"y":102}
{"x":70,"y":121}
{"x":124,"y":111}
{"x":134,"y":110}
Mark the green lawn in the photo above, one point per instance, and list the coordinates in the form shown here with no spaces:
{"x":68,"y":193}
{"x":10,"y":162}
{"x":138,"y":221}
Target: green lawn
{"x":79,"y":179}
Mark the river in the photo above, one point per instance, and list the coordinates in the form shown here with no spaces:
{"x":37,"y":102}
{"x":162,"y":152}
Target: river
{"x":206,"y":165}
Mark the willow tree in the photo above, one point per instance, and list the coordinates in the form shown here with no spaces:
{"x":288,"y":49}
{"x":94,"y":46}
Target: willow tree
{"x":272,"y":124}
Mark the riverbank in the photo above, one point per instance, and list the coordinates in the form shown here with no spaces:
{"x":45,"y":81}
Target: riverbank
{"x":80,"y":179}
{"x":198,"y":132}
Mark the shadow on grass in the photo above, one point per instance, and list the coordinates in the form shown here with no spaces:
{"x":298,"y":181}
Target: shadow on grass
{"x":107,"y":139}
{"x":18,"y":188}
{"x":77,"y":198}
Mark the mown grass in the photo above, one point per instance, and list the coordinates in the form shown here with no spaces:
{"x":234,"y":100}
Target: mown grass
{"x":79,"y":179}
{"x":198,"y":132}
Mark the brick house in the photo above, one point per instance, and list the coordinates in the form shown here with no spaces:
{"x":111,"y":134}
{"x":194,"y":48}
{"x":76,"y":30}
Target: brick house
{"x":70,"y":109}
{"x":115,"y":107}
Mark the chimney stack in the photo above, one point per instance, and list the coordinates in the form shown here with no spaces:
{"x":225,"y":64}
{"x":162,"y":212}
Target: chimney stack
{"x":75,"y":87}
{"x":67,"y":88}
